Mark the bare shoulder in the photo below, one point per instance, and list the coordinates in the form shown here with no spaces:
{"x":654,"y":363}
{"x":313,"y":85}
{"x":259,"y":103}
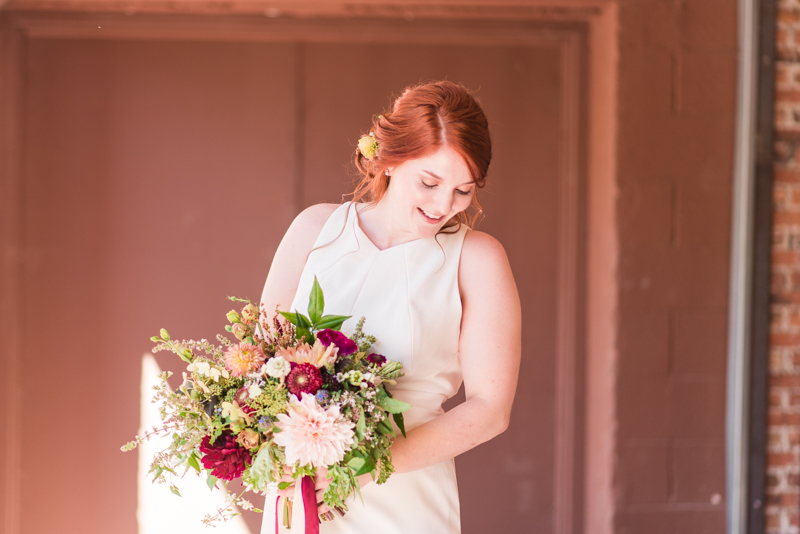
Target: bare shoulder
{"x":290,"y":258}
{"x":481,"y":251}
{"x":484,"y":265}
{"x":309,"y":222}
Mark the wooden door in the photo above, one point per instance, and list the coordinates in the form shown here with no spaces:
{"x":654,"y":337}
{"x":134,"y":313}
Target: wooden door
{"x":160,"y":176}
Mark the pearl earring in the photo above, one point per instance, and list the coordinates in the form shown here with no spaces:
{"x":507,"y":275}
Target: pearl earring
{"x":387,"y":173}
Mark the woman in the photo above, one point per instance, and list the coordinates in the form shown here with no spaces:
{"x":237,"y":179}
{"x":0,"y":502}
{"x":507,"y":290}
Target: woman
{"x":439,"y":297}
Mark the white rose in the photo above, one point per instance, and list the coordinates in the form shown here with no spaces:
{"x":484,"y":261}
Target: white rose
{"x":277,"y":367}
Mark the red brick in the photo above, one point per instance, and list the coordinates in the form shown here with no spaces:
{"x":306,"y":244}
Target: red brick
{"x":773,"y":521}
{"x":784,"y":339}
{"x":787,"y":95}
{"x":783,"y":419}
{"x":780,"y":217}
{"x":780,"y":459}
{"x":791,"y":258}
{"x":788,"y":17}
{"x":778,"y":381}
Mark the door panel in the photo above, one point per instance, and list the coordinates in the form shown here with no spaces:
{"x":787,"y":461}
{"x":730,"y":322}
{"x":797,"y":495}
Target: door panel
{"x":160,"y":177}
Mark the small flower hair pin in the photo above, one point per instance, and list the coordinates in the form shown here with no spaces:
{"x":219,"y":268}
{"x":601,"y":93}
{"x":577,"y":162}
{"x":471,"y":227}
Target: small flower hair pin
{"x":368,"y":146}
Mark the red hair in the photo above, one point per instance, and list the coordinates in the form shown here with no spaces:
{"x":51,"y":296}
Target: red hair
{"x":422,"y":120}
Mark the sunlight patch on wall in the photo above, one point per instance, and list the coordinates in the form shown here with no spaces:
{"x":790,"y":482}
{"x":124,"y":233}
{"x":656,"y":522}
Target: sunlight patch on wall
{"x":159,"y":511}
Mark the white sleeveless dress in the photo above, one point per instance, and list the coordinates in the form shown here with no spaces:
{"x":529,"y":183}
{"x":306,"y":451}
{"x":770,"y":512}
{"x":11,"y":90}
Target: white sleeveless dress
{"x":410,"y":298}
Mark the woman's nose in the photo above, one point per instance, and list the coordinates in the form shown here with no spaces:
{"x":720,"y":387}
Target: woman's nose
{"x":444,"y":202}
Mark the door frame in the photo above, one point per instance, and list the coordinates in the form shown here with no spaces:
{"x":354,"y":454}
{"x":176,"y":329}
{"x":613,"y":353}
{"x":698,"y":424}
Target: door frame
{"x":574,"y":27}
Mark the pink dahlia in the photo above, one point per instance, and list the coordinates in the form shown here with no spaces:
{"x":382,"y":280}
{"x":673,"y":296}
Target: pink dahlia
{"x":319,"y":355}
{"x":312,"y":435}
{"x":225,"y":458}
{"x":330,"y":337}
{"x":304,"y":378}
{"x":243,"y":358}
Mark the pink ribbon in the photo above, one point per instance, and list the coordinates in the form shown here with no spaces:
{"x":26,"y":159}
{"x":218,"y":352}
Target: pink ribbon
{"x":304,"y":512}
{"x":310,"y":506}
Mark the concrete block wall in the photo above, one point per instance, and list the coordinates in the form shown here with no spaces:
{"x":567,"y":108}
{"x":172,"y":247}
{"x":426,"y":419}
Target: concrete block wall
{"x":677,"y":109}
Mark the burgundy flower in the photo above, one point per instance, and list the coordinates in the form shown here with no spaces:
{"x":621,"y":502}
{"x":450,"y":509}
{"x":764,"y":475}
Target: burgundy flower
{"x":345,"y":344}
{"x":304,"y":378}
{"x":225,"y":458}
{"x":377,"y":359}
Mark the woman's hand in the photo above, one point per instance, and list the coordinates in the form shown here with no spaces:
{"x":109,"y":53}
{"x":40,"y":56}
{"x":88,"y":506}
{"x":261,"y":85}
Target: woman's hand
{"x":321,"y":484}
{"x":287,"y":477}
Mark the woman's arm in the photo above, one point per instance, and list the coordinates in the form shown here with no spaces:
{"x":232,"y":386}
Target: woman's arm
{"x":290,"y":258}
{"x":490,"y":346}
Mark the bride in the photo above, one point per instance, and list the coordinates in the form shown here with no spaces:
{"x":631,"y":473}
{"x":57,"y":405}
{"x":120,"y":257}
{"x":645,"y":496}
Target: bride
{"x":439,"y":296}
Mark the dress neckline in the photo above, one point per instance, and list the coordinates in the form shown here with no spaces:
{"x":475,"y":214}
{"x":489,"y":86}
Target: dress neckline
{"x":357,"y":225}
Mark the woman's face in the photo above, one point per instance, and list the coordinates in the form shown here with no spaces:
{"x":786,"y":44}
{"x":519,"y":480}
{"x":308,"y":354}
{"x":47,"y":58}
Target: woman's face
{"x":425,"y":193}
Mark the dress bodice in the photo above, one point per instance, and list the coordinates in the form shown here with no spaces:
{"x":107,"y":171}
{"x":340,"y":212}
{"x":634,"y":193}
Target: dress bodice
{"x":409,"y":295}
{"x":410,"y":298}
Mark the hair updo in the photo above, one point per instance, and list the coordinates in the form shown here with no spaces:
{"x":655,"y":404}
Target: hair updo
{"x":422,"y":120}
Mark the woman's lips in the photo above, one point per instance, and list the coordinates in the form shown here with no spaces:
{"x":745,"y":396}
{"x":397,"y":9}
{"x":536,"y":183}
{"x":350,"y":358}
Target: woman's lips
{"x":428,"y":219}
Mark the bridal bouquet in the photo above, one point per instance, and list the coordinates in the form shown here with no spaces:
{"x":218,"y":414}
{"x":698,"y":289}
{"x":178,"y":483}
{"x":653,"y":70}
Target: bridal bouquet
{"x":282,"y":399}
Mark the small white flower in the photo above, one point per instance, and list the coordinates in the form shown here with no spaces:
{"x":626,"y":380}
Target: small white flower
{"x":215,"y":373}
{"x":205,"y":369}
{"x":278,"y":367}
{"x":253,"y":391}
{"x":201,"y":368}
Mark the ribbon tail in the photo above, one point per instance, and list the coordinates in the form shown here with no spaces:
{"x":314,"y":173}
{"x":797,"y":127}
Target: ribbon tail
{"x":310,"y":506}
{"x":277,"y":525}
{"x":304,"y":512}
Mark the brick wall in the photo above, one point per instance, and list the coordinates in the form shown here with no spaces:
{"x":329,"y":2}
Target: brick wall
{"x":783,"y":460}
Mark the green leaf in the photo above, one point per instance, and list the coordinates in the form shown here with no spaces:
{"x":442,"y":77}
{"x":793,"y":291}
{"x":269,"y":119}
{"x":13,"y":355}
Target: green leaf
{"x":305,"y":332}
{"x":392,"y":405}
{"x":398,"y":420}
{"x":316,"y":302}
{"x":334,"y":322}
{"x":284,"y":485}
{"x":174,"y":489}
{"x":165,"y":334}
{"x":356,"y":463}
{"x":192,"y":461}
{"x":385,"y":428}
{"x":291,"y":317}
{"x":211,"y":481}
{"x":304,"y":328}
{"x":183,"y":355}
{"x":369,"y":465}
{"x":361,"y":426}
{"x":302,"y":321}
{"x":155,"y":339}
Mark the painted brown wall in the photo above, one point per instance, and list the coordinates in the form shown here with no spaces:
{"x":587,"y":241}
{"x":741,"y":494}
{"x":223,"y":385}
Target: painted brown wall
{"x":159,"y":178}
{"x":676,"y":128}
{"x":96,"y":135}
